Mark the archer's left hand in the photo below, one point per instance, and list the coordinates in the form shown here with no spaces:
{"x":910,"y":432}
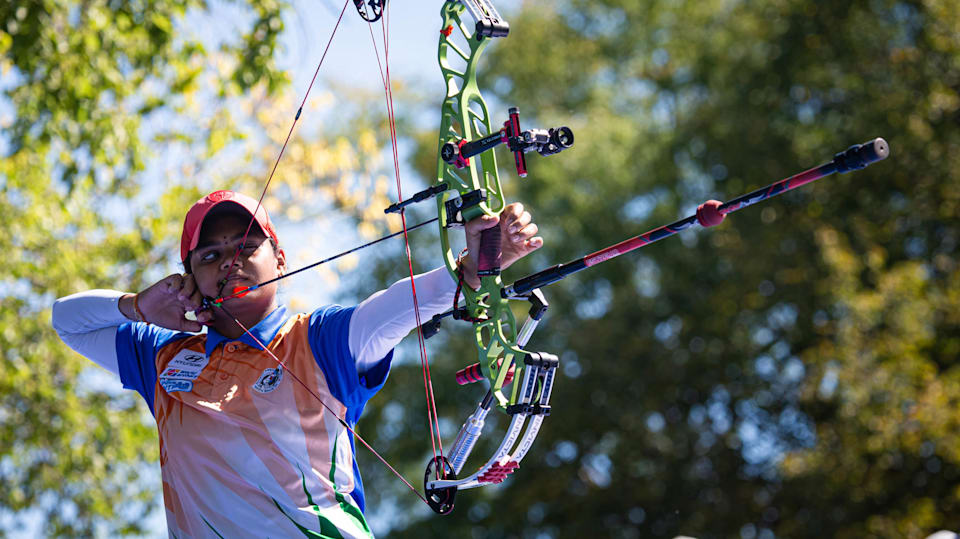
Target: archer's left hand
{"x":518,"y":239}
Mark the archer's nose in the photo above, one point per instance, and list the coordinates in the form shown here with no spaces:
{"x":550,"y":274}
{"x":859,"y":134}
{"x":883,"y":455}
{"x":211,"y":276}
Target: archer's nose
{"x":230,"y":263}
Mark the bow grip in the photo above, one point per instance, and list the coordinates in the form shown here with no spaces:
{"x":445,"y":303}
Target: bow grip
{"x":488,"y":259}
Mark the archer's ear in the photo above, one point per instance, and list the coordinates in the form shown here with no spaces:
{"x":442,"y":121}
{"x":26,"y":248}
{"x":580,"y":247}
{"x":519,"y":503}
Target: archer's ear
{"x":281,"y":260}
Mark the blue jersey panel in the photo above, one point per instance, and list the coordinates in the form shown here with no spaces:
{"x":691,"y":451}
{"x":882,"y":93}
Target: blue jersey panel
{"x":137,"y":347}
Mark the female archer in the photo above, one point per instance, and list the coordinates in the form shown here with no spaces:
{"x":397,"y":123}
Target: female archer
{"x":250,"y":448}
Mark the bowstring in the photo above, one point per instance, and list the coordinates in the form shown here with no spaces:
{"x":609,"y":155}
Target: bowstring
{"x":436,"y":440}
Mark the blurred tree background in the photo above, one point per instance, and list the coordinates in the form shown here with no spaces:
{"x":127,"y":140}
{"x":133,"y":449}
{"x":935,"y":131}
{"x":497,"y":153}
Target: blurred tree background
{"x":792,"y":372}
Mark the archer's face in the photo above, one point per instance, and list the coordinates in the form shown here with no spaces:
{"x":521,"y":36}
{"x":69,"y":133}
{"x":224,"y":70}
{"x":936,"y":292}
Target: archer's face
{"x":257,"y":262}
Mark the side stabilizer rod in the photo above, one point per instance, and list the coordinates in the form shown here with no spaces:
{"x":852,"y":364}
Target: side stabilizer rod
{"x":709,"y":213}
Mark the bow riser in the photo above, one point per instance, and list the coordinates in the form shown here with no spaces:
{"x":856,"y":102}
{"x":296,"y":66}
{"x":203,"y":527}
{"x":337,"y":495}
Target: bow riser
{"x":464,"y":116}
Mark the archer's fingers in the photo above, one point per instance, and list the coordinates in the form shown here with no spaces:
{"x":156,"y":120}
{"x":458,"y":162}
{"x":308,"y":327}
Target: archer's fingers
{"x":187,"y":287}
{"x":174,"y":283}
{"x":512,"y":210}
{"x":533,"y":244}
{"x":191,"y":326}
{"x":525,"y":233}
{"x":475,"y":226}
{"x":204,"y":316}
{"x":513,"y":214}
{"x":519,"y":222}
{"x":189,"y":296}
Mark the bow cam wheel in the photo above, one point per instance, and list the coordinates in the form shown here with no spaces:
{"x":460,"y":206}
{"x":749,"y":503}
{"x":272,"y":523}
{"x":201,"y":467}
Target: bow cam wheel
{"x":439,"y":499}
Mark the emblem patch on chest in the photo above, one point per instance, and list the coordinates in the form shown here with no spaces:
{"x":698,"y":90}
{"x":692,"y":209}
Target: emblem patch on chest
{"x":269,"y":380}
{"x":182,"y":370}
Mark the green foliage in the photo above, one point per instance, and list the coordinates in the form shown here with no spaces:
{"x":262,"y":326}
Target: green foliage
{"x":121,"y":114}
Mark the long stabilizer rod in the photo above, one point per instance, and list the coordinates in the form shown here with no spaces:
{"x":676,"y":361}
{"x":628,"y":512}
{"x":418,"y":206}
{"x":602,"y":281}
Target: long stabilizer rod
{"x":710,"y":213}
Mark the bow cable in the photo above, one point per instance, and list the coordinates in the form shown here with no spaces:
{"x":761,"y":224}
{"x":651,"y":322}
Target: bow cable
{"x":433,"y":419}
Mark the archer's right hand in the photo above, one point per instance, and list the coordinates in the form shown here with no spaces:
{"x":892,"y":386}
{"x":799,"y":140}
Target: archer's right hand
{"x":167,"y":302}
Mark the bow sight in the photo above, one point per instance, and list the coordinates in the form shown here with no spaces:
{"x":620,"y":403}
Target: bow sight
{"x":544,"y":141}
{"x":457,"y":152}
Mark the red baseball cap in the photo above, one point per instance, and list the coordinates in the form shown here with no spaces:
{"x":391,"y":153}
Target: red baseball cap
{"x":199,"y":211}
